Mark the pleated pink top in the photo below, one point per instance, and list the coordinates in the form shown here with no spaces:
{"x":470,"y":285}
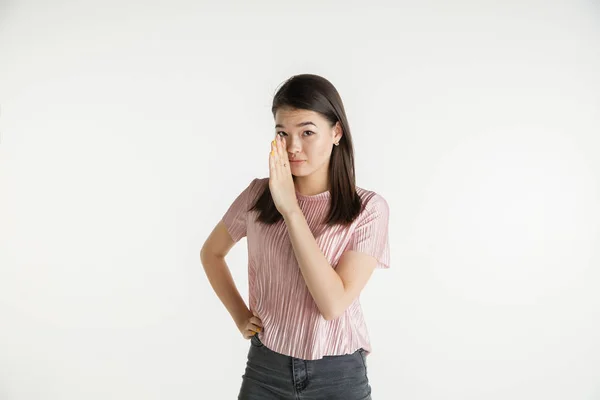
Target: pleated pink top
{"x":293,"y":325}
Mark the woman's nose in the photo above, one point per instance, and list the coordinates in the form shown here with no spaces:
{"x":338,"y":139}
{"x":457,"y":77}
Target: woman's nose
{"x":292,"y":146}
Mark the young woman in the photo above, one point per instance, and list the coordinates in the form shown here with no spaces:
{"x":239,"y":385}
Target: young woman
{"x":314,"y":239}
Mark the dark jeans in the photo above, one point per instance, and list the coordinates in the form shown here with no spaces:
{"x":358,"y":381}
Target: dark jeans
{"x":270,"y":375}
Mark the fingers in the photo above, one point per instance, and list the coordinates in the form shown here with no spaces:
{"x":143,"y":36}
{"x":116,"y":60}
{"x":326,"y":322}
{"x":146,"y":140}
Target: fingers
{"x":273,"y":159}
{"x":282,"y":153}
{"x":278,"y":157}
{"x":253,"y":327}
{"x":254,"y":324}
{"x":278,"y":148}
{"x":251,"y":330}
{"x":248,"y":334}
{"x":275,"y":149}
{"x":256,"y":321}
{"x":279,"y":161}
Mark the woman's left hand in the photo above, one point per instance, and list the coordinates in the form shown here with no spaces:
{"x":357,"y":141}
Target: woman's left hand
{"x":281,"y":182}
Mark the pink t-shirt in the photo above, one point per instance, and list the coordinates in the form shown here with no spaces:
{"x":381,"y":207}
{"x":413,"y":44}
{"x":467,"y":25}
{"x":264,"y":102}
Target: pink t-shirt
{"x":293,"y":325}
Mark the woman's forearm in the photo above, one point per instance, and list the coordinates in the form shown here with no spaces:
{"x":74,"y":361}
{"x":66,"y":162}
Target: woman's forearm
{"x":324,"y":284}
{"x":220,"y":278}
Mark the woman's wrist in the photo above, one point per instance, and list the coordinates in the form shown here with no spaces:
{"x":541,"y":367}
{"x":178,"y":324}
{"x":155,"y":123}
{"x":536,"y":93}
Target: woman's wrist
{"x":242,"y":316}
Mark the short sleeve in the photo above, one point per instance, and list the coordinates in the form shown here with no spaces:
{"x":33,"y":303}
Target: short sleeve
{"x":371,"y":235}
{"x":235,"y":218}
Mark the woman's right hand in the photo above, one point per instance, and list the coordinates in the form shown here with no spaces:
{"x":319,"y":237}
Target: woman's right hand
{"x":250,"y":325}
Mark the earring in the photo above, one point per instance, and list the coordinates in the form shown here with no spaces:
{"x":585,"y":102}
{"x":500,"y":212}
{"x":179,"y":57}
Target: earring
{"x":337,"y":144}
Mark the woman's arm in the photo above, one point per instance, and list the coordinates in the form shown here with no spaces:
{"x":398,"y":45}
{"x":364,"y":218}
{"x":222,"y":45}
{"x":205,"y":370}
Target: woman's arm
{"x":333,"y":290}
{"x":212,"y":257}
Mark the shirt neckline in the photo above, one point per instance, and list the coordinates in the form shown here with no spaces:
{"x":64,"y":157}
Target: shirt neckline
{"x":319,"y":196}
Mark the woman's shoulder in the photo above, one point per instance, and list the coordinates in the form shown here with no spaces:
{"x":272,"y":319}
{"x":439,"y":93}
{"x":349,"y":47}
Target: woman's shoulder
{"x":263,"y":181}
{"x":370,"y":198}
{"x":256,"y":184}
{"x":256,"y":187}
{"x":259,"y":182}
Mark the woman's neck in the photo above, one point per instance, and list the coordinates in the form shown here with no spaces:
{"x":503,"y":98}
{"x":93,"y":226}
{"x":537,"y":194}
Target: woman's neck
{"x":308,"y":187}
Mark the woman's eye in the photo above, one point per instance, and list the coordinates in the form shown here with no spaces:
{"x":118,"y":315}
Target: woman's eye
{"x":281,"y":133}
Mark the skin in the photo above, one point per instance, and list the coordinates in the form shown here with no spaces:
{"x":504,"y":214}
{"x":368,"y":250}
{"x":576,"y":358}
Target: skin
{"x":309,"y":142}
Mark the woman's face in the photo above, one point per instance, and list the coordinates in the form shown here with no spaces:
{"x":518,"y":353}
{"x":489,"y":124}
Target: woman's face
{"x":308,"y":138}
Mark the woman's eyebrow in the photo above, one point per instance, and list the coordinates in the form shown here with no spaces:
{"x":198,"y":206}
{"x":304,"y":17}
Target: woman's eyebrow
{"x":298,"y":125}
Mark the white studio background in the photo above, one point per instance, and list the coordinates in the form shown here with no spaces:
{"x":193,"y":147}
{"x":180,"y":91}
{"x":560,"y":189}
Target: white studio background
{"x":128,"y":127}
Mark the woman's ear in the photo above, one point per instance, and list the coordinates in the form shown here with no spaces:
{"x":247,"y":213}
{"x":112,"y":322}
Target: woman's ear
{"x":338,"y":132}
